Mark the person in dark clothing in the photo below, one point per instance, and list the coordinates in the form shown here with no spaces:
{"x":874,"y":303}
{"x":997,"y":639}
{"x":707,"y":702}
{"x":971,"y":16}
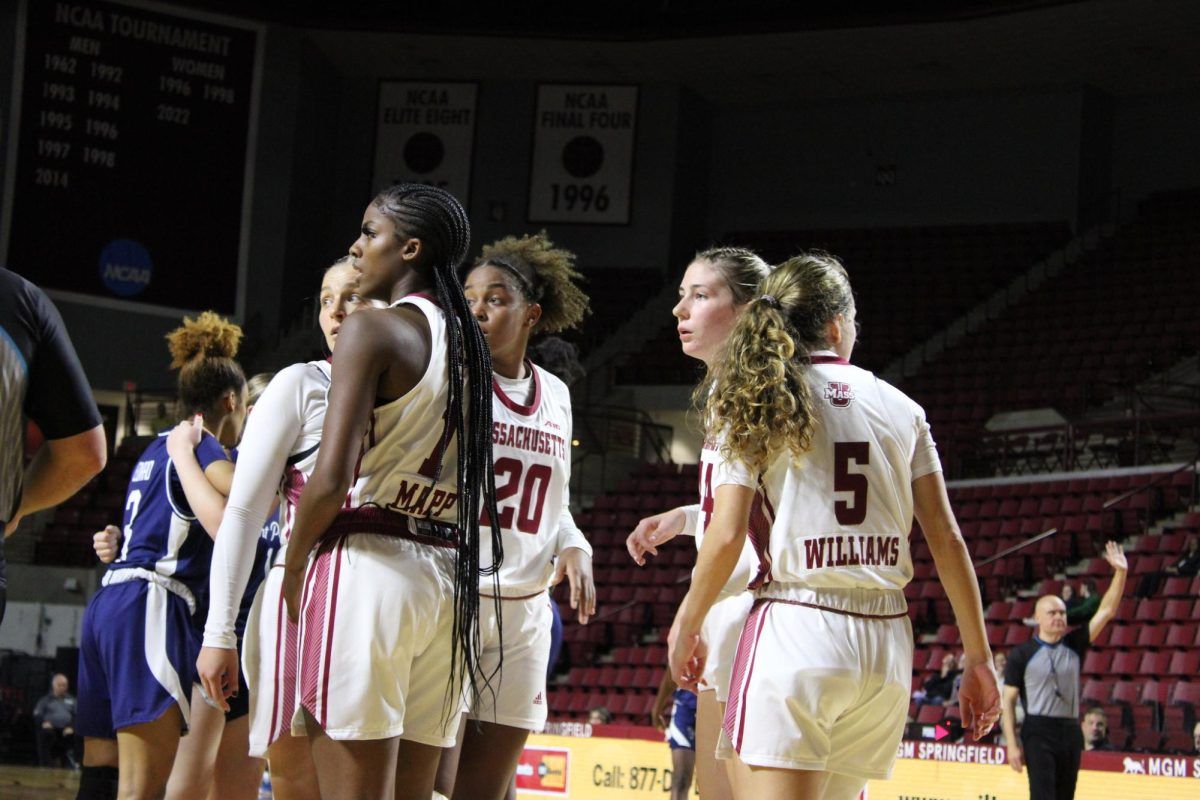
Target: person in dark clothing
{"x":1044,"y":674}
{"x":1095,"y":730}
{"x":41,"y":380}
{"x":55,"y":718}
{"x":938,"y":688}
{"x":1088,"y":602}
{"x":1186,"y":565}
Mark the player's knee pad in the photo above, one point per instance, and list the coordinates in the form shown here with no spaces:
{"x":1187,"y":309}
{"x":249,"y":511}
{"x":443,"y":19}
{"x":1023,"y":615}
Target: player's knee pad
{"x":97,"y":783}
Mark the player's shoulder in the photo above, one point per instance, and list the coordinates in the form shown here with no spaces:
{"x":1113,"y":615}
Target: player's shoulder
{"x":894,"y":396}
{"x":295,"y":377}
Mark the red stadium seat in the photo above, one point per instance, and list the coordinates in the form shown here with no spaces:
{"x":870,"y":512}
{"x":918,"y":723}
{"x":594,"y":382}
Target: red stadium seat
{"x":1097,"y":692}
{"x":1126,"y":663}
{"x":1155,"y":664}
{"x":1097,"y":663}
{"x":930,"y":715}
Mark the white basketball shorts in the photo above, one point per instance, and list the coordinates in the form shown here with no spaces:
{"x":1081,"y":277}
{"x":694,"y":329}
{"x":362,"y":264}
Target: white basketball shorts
{"x":517,"y":697}
{"x":820,"y":690}
{"x":721,"y":630}
{"x":376,"y":627}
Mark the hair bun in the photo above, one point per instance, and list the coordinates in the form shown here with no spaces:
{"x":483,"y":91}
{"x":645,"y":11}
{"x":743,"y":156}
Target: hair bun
{"x":209,"y":335}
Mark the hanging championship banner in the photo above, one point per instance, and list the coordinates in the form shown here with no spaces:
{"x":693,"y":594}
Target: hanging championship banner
{"x":425,"y":134}
{"x":583,"y":139}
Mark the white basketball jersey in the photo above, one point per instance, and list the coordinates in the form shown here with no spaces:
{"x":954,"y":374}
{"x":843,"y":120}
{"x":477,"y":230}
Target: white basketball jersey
{"x":840,"y":517}
{"x":314,"y":399}
{"x":531,"y":450}
{"x":746,"y":573}
{"x":409,"y":438}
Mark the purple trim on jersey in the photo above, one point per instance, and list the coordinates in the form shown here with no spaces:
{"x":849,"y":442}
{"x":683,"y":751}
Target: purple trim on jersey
{"x":513,"y":405}
{"x":762,"y":516}
{"x":815,"y":359}
{"x":734,"y":723}
{"x":373,"y":519}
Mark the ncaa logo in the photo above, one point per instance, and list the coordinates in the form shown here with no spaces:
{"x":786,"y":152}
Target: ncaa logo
{"x":839,"y":394}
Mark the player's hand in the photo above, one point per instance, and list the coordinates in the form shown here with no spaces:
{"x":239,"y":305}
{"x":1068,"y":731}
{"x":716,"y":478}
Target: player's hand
{"x":182,"y":440}
{"x":576,"y":565}
{"x":979,"y":697}
{"x":11,"y":526}
{"x":1016,"y":759}
{"x":292,"y":580}
{"x":660,"y":717}
{"x":107,"y":543}
{"x":687,"y":653}
{"x":218,"y":671}
{"x":1114,"y":554}
{"x":653,"y":531}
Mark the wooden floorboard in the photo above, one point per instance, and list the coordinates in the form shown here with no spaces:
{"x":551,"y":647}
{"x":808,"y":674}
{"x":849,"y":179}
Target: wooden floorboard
{"x":42,"y":783}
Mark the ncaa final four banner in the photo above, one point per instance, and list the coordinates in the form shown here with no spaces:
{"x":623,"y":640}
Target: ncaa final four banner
{"x":425,"y":134}
{"x":583,"y":139}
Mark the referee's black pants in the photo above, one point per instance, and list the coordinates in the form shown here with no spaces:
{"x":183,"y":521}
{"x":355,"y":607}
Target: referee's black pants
{"x":1051,"y":746}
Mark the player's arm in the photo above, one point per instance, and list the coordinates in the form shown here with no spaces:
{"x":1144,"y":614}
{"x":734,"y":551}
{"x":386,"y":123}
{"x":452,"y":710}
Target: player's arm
{"x":271,"y":431}
{"x":979,"y":693}
{"x":205,"y":500}
{"x":658,"y":529}
{"x":1114,"y":554}
{"x":369,"y":344}
{"x":722,"y":547}
{"x":1008,"y":723}
{"x":59,"y":469}
{"x":660,"y":715}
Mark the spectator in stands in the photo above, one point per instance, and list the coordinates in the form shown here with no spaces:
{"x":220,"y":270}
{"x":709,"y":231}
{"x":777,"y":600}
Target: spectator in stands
{"x":600,"y":716}
{"x":937,"y":688}
{"x":1044,"y":673}
{"x":1085,"y":607}
{"x":1068,"y":596}
{"x":41,"y":379}
{"x":162,"y":421}
{"x":54,"y":715}
{"x":1187,"y":565}
{"x":1196,"y":738}
{"x":1095,"y":730}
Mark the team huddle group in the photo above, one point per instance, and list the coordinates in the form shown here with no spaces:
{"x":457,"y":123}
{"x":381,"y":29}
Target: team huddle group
{"x":363,"y":601}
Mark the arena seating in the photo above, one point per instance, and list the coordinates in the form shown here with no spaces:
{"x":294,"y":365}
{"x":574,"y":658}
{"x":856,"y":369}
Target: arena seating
{"x":1143,"y":669}
{"x":909,"y":283}
{"x":1096,"y":329}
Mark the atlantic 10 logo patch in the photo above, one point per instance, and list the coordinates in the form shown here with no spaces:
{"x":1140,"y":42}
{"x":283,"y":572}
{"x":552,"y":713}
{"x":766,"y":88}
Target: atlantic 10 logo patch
{"x":839,"y":394}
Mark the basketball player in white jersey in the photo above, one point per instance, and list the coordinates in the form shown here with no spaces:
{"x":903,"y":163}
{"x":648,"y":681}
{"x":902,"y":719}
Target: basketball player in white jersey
{"x":825,"y":465}
{"x":388,"y":605}
{"x":521,"y":287}
{"x":278,"y":451}
{"x":714,"y":291}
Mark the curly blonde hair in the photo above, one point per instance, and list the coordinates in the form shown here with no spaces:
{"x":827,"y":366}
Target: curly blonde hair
{"x":544,"y":274}
{"x":203,"y":349}
{"x":756,"y":393}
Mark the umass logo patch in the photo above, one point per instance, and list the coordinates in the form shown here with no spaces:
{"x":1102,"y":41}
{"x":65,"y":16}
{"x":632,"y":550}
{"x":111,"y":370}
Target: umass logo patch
{"x":839,"y":395}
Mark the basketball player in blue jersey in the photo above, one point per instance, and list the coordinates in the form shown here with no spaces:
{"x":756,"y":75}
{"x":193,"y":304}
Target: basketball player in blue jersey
{"x":139,"y":642}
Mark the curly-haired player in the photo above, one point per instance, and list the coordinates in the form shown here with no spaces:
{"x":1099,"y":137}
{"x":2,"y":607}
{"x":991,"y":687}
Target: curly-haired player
{"x":522,"y":287}
{"x":825,"y":465}
{"x":139,"y":640}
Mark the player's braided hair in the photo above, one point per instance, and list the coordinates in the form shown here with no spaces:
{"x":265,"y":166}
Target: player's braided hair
{"x":203,"y":351}
{"x":756,"y":392}
{"x":439,"y":221}
{"x":741,"y":269}
{"x":543,"y":274}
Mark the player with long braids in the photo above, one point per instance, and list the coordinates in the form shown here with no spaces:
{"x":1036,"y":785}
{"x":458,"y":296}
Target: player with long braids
{"x":521,"y":287}
{"x":388,"y":606}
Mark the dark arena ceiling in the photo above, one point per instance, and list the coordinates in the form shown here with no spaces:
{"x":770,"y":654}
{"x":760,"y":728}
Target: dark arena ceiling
{"x":611,"y":19}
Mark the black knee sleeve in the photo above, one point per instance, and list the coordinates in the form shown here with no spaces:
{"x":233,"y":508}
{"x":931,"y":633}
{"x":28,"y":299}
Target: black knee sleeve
{"x":97,"y":783}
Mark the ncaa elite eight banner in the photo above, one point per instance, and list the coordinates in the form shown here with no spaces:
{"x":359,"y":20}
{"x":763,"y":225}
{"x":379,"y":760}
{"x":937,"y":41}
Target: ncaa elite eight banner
{"x":425,"y":134}
{"x":583,"y":139}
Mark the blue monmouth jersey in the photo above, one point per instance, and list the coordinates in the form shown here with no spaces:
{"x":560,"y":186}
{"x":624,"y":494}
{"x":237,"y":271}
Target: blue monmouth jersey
{"x":161,"y":534}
